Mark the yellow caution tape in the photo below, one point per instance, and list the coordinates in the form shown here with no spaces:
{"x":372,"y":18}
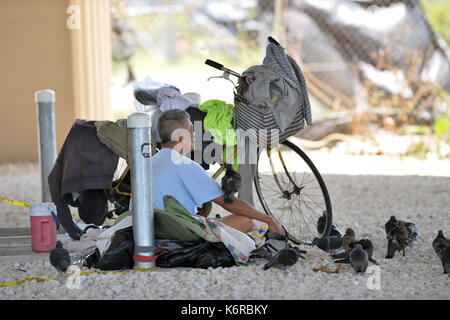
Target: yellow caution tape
{"x":12,"y":283}
{"x":21,"y":204}
{"x":16,"y":203}
{"x":145,"y":269}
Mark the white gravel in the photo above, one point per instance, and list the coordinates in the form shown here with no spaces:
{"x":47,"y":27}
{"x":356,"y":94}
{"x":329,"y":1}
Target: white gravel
{"x":364,"y":191}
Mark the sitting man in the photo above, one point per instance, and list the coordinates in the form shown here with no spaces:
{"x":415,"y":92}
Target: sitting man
{"x":176,"y":175}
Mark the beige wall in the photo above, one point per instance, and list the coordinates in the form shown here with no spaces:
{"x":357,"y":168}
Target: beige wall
{"x":38,"y":51}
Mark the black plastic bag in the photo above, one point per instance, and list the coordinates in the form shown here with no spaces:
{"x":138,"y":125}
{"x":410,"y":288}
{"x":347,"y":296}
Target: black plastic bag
{"x":200,"y":254}
{"x":119,"y":255}
{"x":92,"y":258}
{"x":171,"y":253}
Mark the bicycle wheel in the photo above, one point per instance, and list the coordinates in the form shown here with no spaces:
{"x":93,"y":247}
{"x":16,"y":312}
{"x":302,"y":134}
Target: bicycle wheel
{"x":292,"y":191}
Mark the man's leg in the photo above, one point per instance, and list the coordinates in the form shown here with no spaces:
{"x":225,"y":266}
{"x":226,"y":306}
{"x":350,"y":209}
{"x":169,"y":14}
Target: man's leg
{"x":240,"y":223}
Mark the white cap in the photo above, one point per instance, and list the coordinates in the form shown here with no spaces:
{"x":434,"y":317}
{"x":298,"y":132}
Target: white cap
{"x":139,"y":120}
{"x":44,"y":96}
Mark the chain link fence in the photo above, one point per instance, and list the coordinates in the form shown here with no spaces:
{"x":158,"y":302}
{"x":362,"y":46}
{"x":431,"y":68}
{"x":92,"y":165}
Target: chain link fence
{"x":369,"y":58}
{"x":377,"y":57}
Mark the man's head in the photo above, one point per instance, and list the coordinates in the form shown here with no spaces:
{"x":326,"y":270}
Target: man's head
{"x":175,"y":130}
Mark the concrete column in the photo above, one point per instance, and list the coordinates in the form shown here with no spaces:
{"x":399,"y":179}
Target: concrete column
{"x":59,"y":44}
{"x":91,"y":54}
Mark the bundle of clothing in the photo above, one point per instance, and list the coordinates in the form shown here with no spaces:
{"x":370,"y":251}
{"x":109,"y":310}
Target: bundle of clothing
{"x":83,"y":170}
{"x":181,"y":240}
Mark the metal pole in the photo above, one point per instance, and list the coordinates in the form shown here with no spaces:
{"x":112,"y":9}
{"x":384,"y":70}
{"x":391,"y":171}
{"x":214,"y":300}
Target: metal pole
{"x":139,"y":127}
{"x":45,"y":105}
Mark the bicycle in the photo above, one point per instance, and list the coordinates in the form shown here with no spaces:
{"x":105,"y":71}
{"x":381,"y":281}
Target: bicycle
{"x":289,"y":186}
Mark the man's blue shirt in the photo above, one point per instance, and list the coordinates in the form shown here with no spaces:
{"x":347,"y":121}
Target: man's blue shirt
{"x":182,"y":178}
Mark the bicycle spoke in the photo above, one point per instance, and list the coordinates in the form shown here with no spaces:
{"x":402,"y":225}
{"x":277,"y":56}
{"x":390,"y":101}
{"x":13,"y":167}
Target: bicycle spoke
{"x":303,"y":218}
{"x":299,"y":222}
{"x":314,"y":201}
{"x":270,"y":186}
{"x":309,"y":207}
{"x":313,"y":219}
{"x":318,"y":188}
{"x":299,"y":212}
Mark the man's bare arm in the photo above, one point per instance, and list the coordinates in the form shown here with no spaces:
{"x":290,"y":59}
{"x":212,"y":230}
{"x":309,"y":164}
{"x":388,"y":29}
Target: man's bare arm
{"x":242,"y":208}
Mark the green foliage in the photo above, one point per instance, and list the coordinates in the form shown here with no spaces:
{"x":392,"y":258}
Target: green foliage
{"x":441,"y":126}
{"x":437,"y":13}
{"x":442,"y":129}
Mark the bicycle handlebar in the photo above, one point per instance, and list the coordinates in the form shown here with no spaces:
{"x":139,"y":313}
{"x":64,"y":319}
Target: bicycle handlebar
{"x":219,"y":66}
{"x":214,"y":64}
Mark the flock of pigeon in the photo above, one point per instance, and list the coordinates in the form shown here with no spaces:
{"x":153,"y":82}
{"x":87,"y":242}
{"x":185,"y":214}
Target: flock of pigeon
{"x":344,"y":248}
{"x":358,"y":253}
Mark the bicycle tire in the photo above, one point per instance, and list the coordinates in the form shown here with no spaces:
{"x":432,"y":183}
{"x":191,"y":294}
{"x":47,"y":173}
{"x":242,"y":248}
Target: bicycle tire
{"x":293,"y":232}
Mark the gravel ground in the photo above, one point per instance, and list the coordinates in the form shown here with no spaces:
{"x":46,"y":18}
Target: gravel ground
{"x":364,"y":190}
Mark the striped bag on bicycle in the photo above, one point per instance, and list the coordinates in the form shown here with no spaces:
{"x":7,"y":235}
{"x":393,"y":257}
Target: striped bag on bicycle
{"x":271,"y":100}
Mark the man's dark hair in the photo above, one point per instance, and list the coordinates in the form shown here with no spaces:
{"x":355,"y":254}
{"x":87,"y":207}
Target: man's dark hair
{"x":169,"y":121}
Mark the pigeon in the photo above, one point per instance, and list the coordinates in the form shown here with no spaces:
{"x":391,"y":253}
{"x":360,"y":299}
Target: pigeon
{"x":273,"y":244}
{"x":321,"y":226}
{"x":321,"y":222}
{"x":397,"y":241}
{"x":358,"y":258}
{"x":392,"y":247}
{"x":391,"y":224}
{"x":329,"y":244}
{"x":440,"y":245}
{"x":348,"y":238}
{"x":284,"y":259}
{"x":231,"y":183}
{"x":60,"y":258}
{"x":446,"y":260}
{"x":205,"y":209}
{"x":366,"y":244}
{"x":400,"y":234}
{"x":413,"y":230}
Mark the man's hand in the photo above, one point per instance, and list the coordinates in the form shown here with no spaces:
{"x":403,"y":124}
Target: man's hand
{"x":275,"y":227}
